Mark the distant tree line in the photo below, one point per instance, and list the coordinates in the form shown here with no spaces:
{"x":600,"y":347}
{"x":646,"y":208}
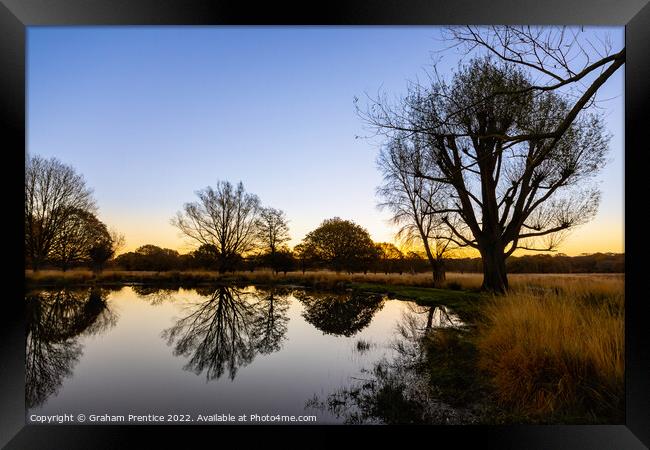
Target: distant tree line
{"x":388,"y":259}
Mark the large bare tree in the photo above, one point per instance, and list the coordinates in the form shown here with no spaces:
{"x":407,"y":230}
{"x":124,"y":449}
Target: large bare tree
{"x":54,"y":195}
{"x":516,"y":158}
{"x":418,"y":205}
{"x":224,"y":217}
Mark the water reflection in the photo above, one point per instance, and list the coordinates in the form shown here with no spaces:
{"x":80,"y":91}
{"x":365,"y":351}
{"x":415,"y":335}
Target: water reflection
{"x":271,"y":319}
{"x":396,"y":390}
{"x":339,"y":315}
{"x":155,"y":294}
{"x":55,"y":320}
{"x":227,"y":330}
{"x":300,"y":343}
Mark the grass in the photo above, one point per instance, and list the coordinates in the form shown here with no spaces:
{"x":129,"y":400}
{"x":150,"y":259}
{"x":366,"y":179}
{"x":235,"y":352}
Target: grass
{"x":550,"y":351}
{"x":556,"y":355}
{"x":322,"y":278}
{"x":608,"y":283}
{"x":466,"y":304}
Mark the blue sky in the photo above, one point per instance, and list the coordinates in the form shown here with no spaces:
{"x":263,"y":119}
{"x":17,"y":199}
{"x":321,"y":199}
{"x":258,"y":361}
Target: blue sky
{"x":149,"y":115}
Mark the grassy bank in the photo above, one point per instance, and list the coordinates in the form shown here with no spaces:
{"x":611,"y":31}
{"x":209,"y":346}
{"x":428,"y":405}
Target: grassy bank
{"x":556,"y":356}
{"x":324,"y":278}
{"x":546,"y":353}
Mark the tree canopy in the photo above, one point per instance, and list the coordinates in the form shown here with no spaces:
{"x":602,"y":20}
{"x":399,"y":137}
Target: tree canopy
{"x":342,"y":244}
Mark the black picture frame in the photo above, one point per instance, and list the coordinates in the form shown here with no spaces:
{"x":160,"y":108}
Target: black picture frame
{"x":16,"y":15}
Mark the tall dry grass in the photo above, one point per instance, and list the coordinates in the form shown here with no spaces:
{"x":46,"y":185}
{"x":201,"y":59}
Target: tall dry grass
{"x":558,"y":352}
{"x":602,"y":283}
{"x":315,"y":277}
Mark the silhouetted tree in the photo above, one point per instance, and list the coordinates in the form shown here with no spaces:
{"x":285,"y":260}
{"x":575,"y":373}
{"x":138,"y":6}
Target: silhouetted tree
{"x":341,"y":244}
{"x":282,"y":260}
{"x":149,"y":257}
{"x":419,"y":205}
{"x":272,"y":232}
{"x":561,"y":58}
{"x":206,"y":256}
{"x":225,"y":217}
{"x":106,"y":243}
{"x":55,"y":197}
{"x":517,"y":164}
{"x":389,"y":257}
{"x":304,"y":255}
{"x":75,"y":238}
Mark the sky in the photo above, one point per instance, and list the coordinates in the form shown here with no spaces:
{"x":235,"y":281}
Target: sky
{"x":150,"y":115}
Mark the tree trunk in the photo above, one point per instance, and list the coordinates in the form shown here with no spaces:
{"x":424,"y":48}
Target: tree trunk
{"x":495,"y":277}
{"x":430,"y":318}
{"x":439,"y":275}
{"x":222,"y":267}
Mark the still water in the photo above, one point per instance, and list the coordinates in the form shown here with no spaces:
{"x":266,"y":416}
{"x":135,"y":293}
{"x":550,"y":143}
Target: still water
{"x":205,"y":351}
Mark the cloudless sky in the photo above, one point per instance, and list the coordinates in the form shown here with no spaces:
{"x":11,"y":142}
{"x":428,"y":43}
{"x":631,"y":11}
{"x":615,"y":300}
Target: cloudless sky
{"x":149,"y":115}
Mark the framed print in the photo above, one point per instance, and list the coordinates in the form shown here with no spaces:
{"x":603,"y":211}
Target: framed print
{"x":361,"y":218}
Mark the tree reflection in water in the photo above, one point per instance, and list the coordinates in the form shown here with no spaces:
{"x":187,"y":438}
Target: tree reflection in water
{"x":340,"y":315}
{"x":397,"y":390}
{"x":154,"y":294}
{"x":55,"y":321}
{"x":271,"y":319}
{"x":226,"y":331}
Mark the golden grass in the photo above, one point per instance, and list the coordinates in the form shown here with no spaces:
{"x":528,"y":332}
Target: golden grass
{"x":558,"y":352}
{"x":604,"y":283}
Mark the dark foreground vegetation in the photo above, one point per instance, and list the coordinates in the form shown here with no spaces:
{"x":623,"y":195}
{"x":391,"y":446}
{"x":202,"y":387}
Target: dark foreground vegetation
{"x":518,"y":358}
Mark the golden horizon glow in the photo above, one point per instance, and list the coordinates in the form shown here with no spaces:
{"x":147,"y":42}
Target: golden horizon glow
{"x":599,"y":236}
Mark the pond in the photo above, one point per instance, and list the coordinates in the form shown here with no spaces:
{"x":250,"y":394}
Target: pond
{"x":205,"y":355}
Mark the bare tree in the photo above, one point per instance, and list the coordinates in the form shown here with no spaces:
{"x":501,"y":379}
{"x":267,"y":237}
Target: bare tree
{"x":225,"y":217}
{"x":567,"y":59}
{"x":54,"y":195}
{"x":272,"y":231}
{"x":418,"y":204}
{"x":514,"y":162}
